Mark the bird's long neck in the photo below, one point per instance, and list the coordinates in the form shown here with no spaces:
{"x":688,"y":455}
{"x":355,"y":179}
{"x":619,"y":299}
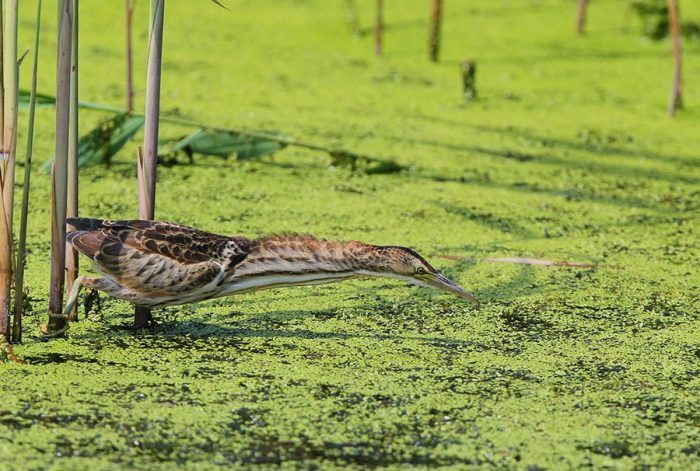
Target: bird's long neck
{"x":300,"y":260}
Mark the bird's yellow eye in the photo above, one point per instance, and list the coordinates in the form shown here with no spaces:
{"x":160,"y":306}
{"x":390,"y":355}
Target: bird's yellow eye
{"x":420,"y":271}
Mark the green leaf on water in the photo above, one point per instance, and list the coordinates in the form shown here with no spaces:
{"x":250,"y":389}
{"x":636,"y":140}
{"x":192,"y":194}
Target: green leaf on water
{"x":225,"y":144}
{"x":42,"y":100}
{"x":46,"y":101}
{"x":89,"y":105}
{"x":220,"y":4}
{"x":104,"y":141}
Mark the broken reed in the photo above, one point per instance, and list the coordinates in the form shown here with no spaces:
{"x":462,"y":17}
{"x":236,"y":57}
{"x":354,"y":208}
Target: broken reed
{"x":468,"y":68}
{"x":22,"y":243}
{"x":59,"y":173}
{"x":676,"y":100}
{"x":435,"y":28}
{"x":379,"y":28}
{"x":9,"y":98}
{"x":581,"y":16}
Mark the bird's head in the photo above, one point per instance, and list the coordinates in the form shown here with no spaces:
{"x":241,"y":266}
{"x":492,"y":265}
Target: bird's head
{"x":406,"y":264}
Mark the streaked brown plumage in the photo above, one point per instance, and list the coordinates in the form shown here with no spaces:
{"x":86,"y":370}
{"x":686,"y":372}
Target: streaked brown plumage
{"x":154,"y":263}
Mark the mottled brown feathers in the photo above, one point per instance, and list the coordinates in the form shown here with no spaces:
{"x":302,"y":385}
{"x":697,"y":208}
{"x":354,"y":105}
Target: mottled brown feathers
{"x":180,"y":243}
{"x":159,"y":261}
{"x":154,"y":263}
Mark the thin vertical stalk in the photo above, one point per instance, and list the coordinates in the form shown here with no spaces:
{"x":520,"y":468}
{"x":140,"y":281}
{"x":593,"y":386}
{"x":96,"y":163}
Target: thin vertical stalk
{"x":581,"y":16}
{"x":148,"y":161}
{"x":129,"y":57}
{"x":435,"y":27}
{"x":152,"y":16}
{"x":5,"y":275}
{"x":4,"y":242}
{"x":7,"y":158}
{"x":72,"y":191}
{"x":22,"y":243}
{"x":379,"y":28}
{"x":676,"y":100}
{"x":2,"y":80}
{"x":59,"y":177}
{"x":150,"y":142}
{"x":10,"y":73}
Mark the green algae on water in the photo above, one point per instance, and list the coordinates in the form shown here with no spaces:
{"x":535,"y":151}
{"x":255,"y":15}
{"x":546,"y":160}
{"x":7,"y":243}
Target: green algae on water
{"x":565,"y":155}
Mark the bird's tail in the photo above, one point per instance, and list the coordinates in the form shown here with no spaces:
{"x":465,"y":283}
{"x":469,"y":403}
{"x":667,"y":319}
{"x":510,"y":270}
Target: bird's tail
{"x":86,"y":224}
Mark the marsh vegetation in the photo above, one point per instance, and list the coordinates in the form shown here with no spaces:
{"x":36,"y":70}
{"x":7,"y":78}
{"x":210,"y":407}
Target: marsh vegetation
{"x":567,"y":154}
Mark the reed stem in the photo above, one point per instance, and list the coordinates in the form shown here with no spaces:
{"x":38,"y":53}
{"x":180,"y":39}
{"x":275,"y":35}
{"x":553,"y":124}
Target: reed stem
{"x":59,"y":179}
{"x":148,"y":159}
{"x":581,"y":16}
{"x":129,"y":57}
{"x":22,"y":243}
{"x":152,"y":113}
{"x":676,"y":101}
{"x":72,"y":190}
{"x":379,"y":28}
{"x":435,"y":28}
{"x":7,"y":157}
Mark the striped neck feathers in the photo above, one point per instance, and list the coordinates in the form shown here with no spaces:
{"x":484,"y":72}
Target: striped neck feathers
{"x":297,"y":260}
{"x":306,"y":255}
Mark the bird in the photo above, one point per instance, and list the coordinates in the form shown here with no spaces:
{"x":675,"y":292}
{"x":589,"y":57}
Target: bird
{"x":156,"y":263}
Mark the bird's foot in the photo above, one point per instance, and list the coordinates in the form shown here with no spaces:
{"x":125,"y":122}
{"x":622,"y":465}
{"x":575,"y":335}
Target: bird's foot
{"x":143,"y":320}
{"x":56,"y":327}
{"x":137,"y":327}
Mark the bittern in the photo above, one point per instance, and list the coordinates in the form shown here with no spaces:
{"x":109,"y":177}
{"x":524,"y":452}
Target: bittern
{"x":153,"y":263}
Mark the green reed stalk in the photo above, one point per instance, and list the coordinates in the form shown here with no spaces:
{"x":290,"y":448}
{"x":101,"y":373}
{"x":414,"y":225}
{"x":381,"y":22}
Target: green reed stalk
{"x":22,"y":243}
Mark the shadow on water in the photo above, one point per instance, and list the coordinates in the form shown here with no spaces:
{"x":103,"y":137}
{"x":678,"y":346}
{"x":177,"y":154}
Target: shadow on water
{"x":547,"y":158}
{"x":575,"y":55}
{"x":189,"y":334}
{"x":195,"y":334}
{"x":60,"y":358}
{"x":520,"y":285}
{"x":236,"y":332}
{"x":591,"y":142}
{"x":569,"y":194}
{"x":487,"y":219}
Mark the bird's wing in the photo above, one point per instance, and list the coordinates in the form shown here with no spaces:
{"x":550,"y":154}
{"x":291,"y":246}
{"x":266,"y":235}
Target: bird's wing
{"x":181,"y":243}
{"x":154,"y":256}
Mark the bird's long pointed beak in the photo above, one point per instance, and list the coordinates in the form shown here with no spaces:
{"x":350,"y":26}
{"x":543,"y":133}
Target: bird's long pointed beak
{"x":442,"y":282}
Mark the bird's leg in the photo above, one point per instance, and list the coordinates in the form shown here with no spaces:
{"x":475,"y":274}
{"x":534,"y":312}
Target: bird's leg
{"x":143,"y":318}
{"x":73,"y":296}
{"x":70,"y":302}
